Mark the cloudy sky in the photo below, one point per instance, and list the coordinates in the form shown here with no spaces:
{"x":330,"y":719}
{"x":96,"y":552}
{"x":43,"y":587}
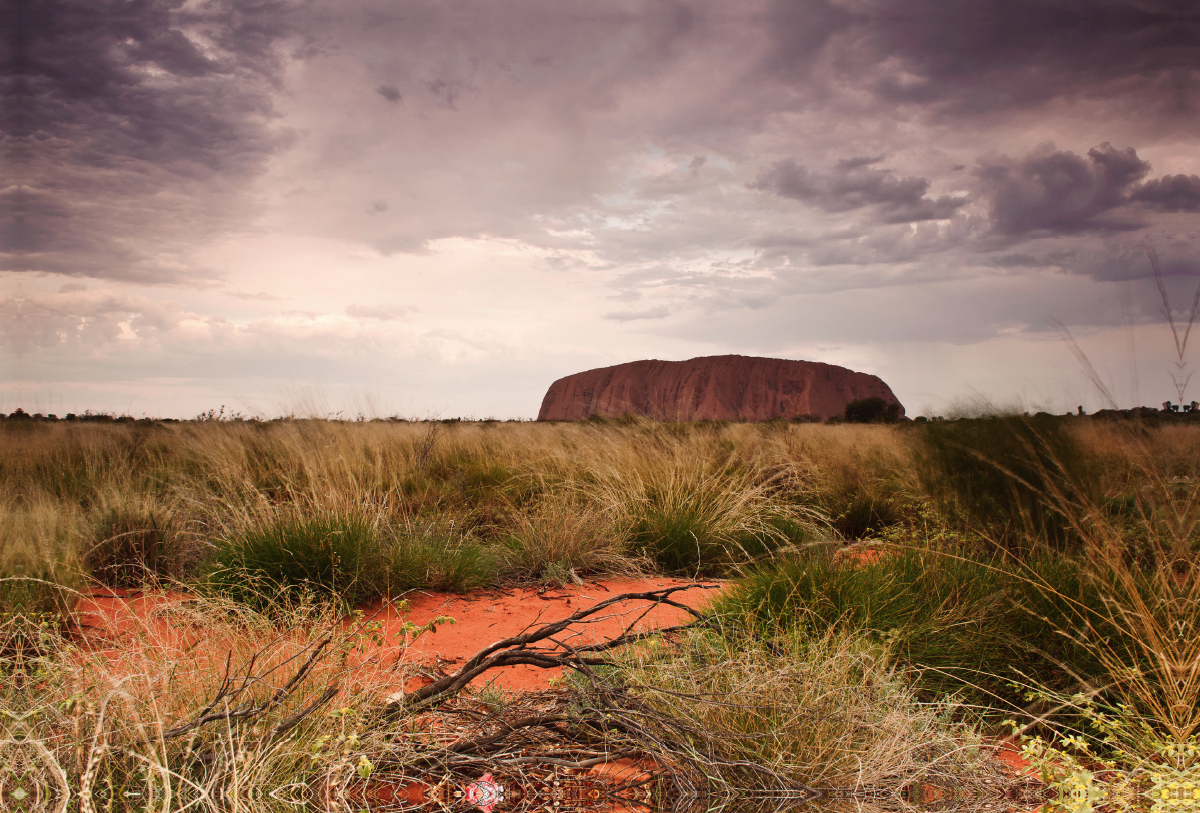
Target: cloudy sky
{"x":438,"y":208}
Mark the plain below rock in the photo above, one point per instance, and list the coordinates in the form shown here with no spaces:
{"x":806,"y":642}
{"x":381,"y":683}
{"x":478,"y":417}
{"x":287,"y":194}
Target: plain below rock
{"x":734,"y":388}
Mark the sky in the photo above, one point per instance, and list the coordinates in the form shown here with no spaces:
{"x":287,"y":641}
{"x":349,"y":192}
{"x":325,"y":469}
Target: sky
{"x":435,"y":209}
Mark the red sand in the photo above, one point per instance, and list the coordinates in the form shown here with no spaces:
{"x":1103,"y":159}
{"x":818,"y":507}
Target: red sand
{"x":487,"y":616}
{"x":480,"y":618}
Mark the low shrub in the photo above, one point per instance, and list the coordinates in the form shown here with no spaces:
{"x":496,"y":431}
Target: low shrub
{"x":338,"y":556}
{"x":563,"y":540}
{"x":981,"y":626}
{"x":826,"y":710}
{"x":872,"y":410}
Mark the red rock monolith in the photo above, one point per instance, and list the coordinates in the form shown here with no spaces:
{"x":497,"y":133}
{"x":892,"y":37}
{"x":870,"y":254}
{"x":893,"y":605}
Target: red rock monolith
{"x":734,"y":388}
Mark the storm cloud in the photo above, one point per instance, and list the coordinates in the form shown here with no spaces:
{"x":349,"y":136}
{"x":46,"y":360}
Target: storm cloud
{"x":130,"y":130}
{"x":855,"y":183}
{"x":1053,"y":191}
{"x":263,"y":182}
{"x":1172,"y":193}
{"x":987,"y":56}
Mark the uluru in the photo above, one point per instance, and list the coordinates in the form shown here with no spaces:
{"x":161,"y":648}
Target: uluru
{"x":735,"y":388}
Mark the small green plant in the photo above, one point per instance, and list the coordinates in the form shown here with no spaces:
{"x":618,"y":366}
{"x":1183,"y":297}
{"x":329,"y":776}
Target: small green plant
{"x":331,"y":556}
{"x":968,"y":624}
{"x":493,"y":695}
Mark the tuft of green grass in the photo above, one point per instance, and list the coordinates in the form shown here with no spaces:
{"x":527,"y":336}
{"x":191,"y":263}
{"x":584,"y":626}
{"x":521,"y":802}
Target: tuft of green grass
{"x":700,"y":518}
{"x":345,"y":557}
{"x":562,"y":540}
{"x":857,"y":511}
{"x":981,"y":626}
{"x":333,"y":556}
{"x":434,"y":555}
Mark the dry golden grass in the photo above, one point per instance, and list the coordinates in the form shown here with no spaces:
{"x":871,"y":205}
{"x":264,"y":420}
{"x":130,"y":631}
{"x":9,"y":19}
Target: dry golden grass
{"x":828,"y":711}
{"x":543,"y":501}
{"x":191,"y":485}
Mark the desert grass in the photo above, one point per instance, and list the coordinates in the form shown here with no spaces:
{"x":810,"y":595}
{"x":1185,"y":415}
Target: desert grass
{"x":1090,"y":590}
{"x":39,"y":557}
{"x":204,"y":703}
{"x":562,"y":540}
{"x":1135,"y":742}
{"x":828,"y":711}
{"x":162,"y":499}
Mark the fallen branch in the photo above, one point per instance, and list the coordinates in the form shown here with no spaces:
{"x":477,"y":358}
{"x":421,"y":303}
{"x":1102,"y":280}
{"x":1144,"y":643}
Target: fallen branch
{"x":517,"y":650}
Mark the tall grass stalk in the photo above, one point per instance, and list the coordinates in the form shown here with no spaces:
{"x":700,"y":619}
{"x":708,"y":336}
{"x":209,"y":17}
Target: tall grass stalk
{"x":1142,"y":564}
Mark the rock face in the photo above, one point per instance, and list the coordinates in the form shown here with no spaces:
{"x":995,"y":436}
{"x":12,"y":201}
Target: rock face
{"x":736,"y":388}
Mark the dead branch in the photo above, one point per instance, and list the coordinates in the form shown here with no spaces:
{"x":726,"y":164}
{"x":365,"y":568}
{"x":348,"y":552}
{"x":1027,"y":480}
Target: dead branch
{"x":517,"y":649}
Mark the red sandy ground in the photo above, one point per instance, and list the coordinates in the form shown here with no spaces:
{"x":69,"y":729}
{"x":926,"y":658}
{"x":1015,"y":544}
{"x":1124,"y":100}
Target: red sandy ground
{"x":486,"y":616}
{"x":481,"y":618}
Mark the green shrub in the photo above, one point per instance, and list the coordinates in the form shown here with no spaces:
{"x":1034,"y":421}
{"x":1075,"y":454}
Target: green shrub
{"x":331,"y":556}
{"x":968,"y":624}
{"x":435,"y":556}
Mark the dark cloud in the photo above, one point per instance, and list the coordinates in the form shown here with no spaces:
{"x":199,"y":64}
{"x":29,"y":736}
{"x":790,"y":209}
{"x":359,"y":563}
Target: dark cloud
{"x":389,"y":92}
{"x":800,"y":29}
{"x":1018,"y":260}
{"x":855,"y":184}
{"x":1171,"y":193}
{"x":989,"y":55}
{"x":1055,"y":192}
{"x":109,"y":105}
{"x":1126,"y":260}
